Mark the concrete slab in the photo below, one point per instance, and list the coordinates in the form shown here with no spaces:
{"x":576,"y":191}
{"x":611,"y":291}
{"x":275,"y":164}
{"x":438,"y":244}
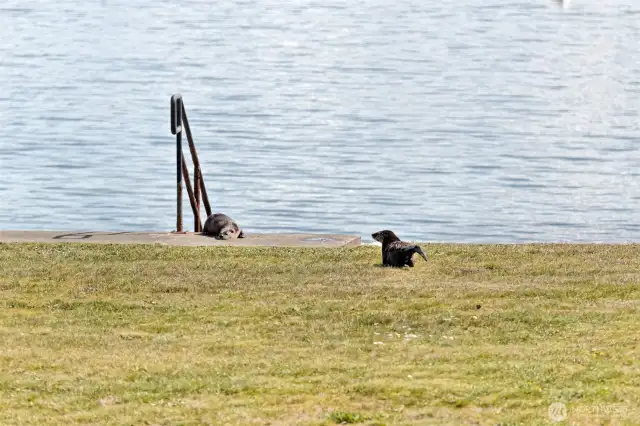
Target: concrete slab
{"x":173,"y":239}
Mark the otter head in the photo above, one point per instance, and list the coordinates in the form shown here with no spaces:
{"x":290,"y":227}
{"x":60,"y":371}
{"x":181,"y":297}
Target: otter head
{"x":385,"y":236}
{"x":228,"y":233}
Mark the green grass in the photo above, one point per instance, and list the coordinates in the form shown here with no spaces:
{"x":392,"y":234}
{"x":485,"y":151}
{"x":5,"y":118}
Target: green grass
{"x":102,"y":334}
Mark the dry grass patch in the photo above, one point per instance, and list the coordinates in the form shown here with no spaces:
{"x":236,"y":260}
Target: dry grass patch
{"x":114,"y":334}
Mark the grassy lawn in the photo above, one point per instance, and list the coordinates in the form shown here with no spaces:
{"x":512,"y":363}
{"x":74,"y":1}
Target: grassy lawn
{"x":102,"y":334}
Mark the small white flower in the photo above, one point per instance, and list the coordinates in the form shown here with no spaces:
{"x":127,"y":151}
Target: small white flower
{"x":378,"y":343}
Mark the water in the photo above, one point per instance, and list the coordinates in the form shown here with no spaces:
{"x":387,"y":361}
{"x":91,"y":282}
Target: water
{"x":475,"y":121}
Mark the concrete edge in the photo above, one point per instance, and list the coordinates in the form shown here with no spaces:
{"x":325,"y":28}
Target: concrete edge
{"x":183,"y":239}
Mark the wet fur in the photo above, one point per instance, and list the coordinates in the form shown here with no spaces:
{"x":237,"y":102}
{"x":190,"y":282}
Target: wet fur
{"x":222,"y":227}
{"x":396,"y":253}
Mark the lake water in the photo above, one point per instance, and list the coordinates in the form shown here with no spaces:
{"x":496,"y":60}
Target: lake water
{"x":468,"y":121}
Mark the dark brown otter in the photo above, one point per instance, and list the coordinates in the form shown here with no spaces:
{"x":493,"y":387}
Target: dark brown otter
{"x":396,"y":253}
{"x":222,"y":227}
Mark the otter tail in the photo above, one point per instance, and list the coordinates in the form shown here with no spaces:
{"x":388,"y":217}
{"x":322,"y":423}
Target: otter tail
{"x":420,"y":252}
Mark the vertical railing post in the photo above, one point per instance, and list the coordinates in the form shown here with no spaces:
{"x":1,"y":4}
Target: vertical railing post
{"x":176,"y":129}
{"x":192,"y":198}
{"x":196,"y":187}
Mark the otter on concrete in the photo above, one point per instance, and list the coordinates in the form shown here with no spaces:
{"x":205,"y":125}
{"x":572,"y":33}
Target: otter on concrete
{"x":396,"y":253}
{"x":222,"y":227}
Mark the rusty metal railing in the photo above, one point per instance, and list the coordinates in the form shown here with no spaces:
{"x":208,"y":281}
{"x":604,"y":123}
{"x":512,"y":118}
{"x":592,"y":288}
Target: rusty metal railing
{"x":180,"y":124}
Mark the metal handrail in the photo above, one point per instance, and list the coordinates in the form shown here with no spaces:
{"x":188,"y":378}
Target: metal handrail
{"x":180,"y":124}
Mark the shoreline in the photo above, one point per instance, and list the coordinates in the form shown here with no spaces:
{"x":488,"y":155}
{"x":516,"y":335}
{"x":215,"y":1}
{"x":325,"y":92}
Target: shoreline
{"x":181,"y":239}
{"x":280,"y":239}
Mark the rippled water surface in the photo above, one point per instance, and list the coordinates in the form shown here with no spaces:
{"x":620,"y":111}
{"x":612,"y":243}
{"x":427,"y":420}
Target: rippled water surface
{"x":474,"y":121}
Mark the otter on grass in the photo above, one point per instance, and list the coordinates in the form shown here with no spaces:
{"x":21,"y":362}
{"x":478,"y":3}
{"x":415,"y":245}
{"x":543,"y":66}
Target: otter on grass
{"x":396,"y":253}
{"x":222,"y":227}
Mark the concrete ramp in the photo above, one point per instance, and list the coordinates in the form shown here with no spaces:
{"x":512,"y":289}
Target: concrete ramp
{"x":174,"y":239}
